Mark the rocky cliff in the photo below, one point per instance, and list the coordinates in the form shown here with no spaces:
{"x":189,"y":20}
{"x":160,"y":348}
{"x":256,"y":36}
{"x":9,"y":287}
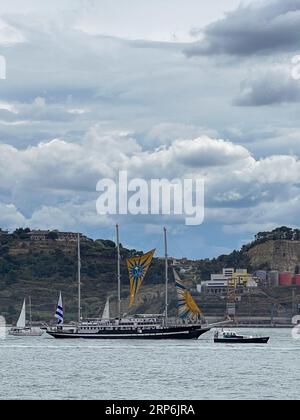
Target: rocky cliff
{"x":281,"y":255}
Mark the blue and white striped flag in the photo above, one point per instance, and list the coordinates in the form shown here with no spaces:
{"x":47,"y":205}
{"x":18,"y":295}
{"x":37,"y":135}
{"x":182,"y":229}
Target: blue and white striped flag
{"x":59,"y":315}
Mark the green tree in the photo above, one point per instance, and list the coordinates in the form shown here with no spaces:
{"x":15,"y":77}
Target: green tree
{"x":52,"y":236}
{"x":22,"y":233}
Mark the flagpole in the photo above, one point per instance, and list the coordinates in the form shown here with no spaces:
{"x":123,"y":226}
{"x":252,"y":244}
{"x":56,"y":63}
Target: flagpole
{"x":166,"y":275}
{"x":79,"y":280}
{"x":119,"y":271}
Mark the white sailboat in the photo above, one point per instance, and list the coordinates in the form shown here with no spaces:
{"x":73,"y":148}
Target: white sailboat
{"x":21,"y":330}
{"x":106,"y":312}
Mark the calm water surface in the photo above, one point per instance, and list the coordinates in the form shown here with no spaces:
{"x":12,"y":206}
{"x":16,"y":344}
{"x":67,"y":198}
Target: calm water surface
{"x":43,"y":368}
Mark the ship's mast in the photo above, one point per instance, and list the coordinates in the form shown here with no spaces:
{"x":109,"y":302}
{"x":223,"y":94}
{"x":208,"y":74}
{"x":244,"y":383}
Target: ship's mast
{"x":79,"y":279}
{"x":166,"y":274}
{"x":119,"y":272}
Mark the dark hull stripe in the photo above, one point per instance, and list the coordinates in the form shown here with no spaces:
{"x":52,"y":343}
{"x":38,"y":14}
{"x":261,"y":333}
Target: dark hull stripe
{"x":182,"y":335}
{"x":246,"y":341}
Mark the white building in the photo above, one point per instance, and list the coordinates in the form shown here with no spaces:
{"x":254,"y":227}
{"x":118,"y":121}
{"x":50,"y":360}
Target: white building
{"x":42,"y":236}
{"x":228,"y":272}
{"x":218,"y":283}
{"x":216,"y":286}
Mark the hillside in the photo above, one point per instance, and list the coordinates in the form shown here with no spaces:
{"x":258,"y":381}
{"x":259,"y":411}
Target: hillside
{"x":281,"y":255}
{"x":275,"y":250}
{"x":42,"y":269}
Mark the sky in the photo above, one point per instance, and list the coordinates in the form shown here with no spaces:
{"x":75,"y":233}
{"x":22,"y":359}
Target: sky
{"x":161,"y":89}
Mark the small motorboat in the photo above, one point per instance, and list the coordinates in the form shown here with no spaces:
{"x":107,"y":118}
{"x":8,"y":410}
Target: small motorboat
{"x":233,"y":337}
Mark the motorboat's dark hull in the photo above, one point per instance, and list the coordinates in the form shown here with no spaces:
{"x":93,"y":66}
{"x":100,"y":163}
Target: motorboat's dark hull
{"x":177,"y":333}
{"x":254,"y":340}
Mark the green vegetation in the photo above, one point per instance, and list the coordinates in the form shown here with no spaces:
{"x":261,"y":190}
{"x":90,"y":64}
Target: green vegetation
{"x":22,"y":233}
{"x":237,"y":259}
{"x":283,"y":233}
{"x":241,"y":259}
{"x":43,"y":268}
{"x":52,"y":236}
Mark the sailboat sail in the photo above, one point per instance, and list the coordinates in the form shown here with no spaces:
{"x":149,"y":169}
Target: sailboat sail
{"x":138,"y":268}
{"x":22,"y":318}
{"x":59,"y":315}
{"x":187,"y":307}
{"x":106,"y":312}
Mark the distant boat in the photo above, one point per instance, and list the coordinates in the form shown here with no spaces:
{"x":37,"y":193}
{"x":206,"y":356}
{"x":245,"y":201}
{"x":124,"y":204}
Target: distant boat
{"x":21,"y":330}
{"x":233,"y":337}
{"x":106,"y":312}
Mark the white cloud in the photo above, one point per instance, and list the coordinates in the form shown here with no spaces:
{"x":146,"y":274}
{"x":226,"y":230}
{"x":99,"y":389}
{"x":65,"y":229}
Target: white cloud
{"x":167,"y":21}
{"x":60,"y":171}
{"x":10,"y":35}
{"x":68,"y":216}
{"x":76,"y":107}
{"x":10,"y":217}
{"x":9,"y":107}
{"x":267,"y":27}
{"x":272,"y":86}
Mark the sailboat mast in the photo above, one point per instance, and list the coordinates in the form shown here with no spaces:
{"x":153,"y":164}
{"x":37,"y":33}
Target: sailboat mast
{"x":166,"y":274}
{"x":119,"y":271}
{"x":79,"y":279}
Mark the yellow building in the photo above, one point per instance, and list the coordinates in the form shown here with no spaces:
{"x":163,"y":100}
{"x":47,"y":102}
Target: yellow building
{"x":241,"y":278}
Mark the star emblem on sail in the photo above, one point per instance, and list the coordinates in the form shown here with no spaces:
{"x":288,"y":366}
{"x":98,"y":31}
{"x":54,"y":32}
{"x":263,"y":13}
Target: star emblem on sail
{"x":59,"y":314}
{"x":137,"y":269}
{"x":187,"y":307}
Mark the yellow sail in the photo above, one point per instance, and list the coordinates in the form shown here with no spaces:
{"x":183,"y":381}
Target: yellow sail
{"x":137,"y":269}
{"x":187,"y":307}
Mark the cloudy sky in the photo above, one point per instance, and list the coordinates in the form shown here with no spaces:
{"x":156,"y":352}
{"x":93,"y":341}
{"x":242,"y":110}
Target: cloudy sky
{"x":161,"y":89}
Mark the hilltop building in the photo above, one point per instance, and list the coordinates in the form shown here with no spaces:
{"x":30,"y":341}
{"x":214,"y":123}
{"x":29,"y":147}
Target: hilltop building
{"x":45,"y":235}
{"x":219,"y":283}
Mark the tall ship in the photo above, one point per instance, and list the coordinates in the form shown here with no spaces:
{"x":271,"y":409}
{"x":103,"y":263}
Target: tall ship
{"x":188,"y":324}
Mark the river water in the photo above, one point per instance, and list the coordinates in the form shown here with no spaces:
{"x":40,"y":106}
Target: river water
{"x":44,"y":368}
